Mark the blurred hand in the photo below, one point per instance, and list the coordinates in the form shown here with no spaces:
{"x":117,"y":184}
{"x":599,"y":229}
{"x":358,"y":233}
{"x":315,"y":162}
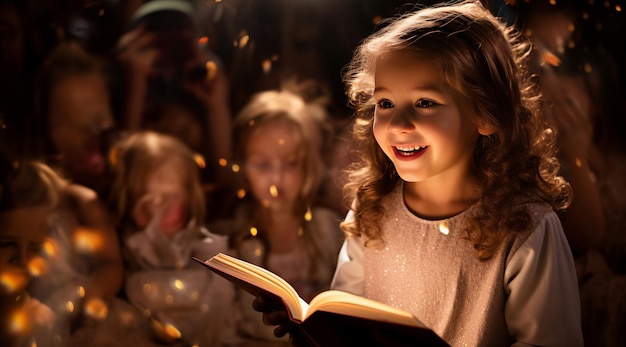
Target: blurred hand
{"x":137,"y":52}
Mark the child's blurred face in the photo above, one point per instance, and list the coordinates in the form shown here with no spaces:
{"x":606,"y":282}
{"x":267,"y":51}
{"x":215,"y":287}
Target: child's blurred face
{"x":274,"y":164}
{"x":22,"y":235}
{"x":417,"y":123}
{"x":80,"y":111}
{"x":165,"y":198}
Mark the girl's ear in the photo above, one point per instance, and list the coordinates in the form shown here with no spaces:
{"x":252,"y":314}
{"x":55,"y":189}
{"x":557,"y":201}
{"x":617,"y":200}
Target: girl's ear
{"x":485,"y":129}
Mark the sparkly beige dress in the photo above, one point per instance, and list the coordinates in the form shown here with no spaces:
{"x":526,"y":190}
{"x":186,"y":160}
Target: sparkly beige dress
{"x":526,"y":294}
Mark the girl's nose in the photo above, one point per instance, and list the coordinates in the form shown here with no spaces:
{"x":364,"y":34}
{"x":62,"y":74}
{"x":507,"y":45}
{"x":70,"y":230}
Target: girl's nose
{"x":402,"y":119}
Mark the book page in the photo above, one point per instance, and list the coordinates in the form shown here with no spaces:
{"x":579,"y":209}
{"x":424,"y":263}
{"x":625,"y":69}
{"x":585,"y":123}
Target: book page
{"x":263,"y":279}
{"x":340,"y":302}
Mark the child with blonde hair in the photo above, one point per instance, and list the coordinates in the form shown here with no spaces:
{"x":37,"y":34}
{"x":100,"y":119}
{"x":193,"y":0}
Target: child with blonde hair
{"x":160,"y":210}
{"x":280,"y":136}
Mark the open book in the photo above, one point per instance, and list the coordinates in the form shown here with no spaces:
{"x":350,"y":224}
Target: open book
{"x":332,"y":318}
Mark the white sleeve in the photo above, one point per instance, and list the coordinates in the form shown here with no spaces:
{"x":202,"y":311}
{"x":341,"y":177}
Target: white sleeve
{"x":349,"y":272}
{"x":543,"y":304}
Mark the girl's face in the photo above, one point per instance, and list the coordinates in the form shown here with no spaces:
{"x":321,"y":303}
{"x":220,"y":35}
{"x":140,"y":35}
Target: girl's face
{"x":417,"y":123}
{"x":165,"y":198}
{"x":22,"y":235}
{"x":274,"y":165}
{"x":79,"y":112}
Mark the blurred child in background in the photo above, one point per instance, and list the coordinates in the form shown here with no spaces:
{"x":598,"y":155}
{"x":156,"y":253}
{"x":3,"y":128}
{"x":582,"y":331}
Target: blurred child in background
{"x":24,"y":230}
{"x":55,"y":231}
{"x":160,"y":209}
{"x":74,"y":103}
{"x":166,"y":64}
{"x":279,"y":142}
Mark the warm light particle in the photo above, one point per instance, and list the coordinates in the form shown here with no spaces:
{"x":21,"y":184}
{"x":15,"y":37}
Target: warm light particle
{"x":551,"y":59}
{"x":199,"y":159}
{"x":579,"y":163}
{"x":273,"y":191}
{"x":50,"y":247}
{"x":69,"y":306}
{"x":87,"y":240}
{"x":222,"y":162}
{"x":266,"y":65}
{"x":19,"y":322}
{"x":443,"y":228}
{"x":13,"y":281}
{"x":96,"y":308}
{"x":235,"y":168}
{"x":241,"y":193}
{"x":254,"y":231}
{"x":211,"y":69}
{"x":37,"y":266}
{"x":243,"y":40}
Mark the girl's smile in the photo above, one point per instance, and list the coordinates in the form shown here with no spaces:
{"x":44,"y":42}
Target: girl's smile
{"x":409,"y":152}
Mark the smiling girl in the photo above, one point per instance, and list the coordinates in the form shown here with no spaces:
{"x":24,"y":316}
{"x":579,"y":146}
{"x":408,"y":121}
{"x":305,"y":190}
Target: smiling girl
{"x":454,"y":195}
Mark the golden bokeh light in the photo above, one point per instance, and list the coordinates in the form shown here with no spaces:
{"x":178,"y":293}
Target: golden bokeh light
{"x":211,"y":70}
{"x":96,"y":308}
{"x":199,"y":159}
{"x":12,"y":281}
{"x":178,"y":284}
{"x":50,"y":247}
{"x":443,"y":228}
{"x":243,"y":40}
{"x":87,"y":240}
{"x":38,"y":266}
{"x":273,"y":191}
{"x":266,"y":65}
{"x":19,"y":322}
{"x":241,"y":193}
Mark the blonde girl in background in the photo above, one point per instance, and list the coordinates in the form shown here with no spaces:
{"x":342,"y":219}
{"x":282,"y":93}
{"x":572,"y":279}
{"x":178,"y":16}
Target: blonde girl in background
{"x":279,"y":138}
{"x":160,"y":206}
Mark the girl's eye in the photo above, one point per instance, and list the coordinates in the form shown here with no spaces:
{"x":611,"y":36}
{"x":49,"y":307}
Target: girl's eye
{"x":425,"y":103}
{"x":385,"y":103}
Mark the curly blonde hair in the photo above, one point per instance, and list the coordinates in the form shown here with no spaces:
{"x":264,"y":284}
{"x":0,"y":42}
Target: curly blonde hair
{"x":484,"y":64}
{"x":134,"y":158}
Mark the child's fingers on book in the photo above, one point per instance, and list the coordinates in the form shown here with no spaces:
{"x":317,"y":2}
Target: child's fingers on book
{"x":261,"y":304}
{"x":275,"y":318}
{"x":288,"y":328}
{"x":264,"y":303}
